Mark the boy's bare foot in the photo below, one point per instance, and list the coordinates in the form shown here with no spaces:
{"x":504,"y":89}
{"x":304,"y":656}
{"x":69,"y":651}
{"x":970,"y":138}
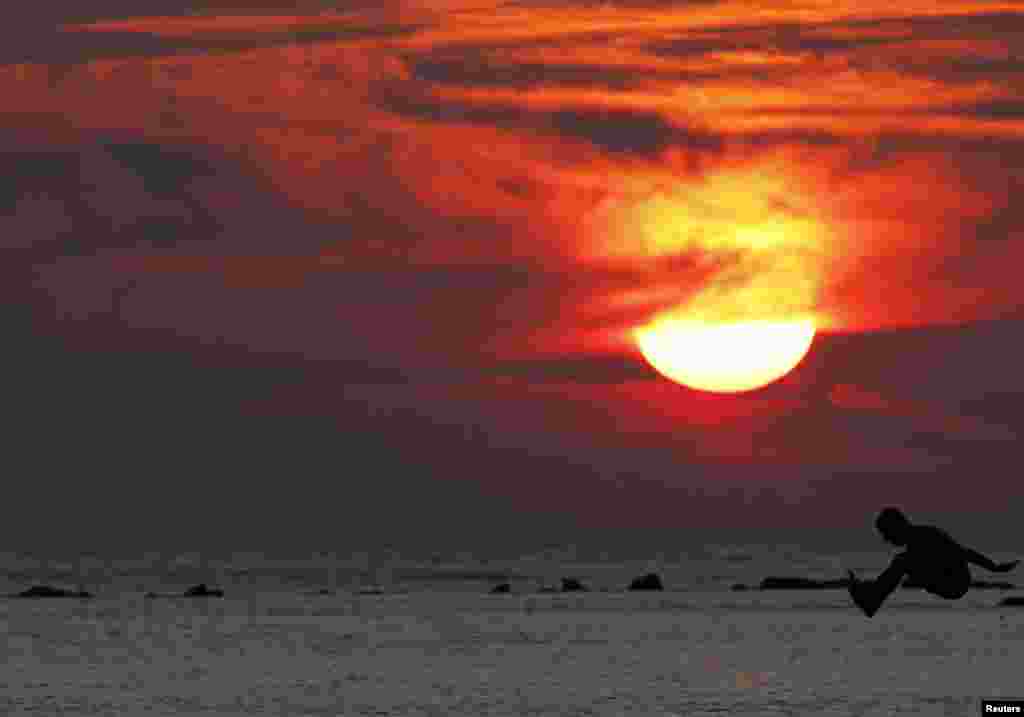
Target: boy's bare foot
{"x":862,"y":594}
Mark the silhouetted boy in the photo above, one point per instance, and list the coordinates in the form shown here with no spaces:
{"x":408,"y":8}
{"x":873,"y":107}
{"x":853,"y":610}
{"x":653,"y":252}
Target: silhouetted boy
{"x":932,"y":559}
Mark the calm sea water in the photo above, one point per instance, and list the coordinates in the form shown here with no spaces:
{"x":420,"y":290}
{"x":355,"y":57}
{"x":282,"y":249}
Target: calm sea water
{"x":435,"y":643}
{"x":707,"y":567}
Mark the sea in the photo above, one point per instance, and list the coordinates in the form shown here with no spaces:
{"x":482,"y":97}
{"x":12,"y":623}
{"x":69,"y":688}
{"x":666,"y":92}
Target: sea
{"x":382,"y":634}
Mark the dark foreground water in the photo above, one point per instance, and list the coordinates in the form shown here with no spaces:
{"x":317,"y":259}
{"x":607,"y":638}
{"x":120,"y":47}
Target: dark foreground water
{"x":433,"y":642}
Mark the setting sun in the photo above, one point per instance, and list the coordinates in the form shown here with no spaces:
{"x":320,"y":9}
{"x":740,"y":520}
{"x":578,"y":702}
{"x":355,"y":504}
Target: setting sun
{"x":724,"y":357}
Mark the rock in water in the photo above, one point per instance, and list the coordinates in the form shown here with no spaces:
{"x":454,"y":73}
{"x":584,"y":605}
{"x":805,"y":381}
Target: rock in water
{"x":1014,"y":601}
{"x":501,"y":589}
{"x":572,"y":585}
{"x":650,"y":581}
{"x":48,"y":591}
{"x":201,"y":590}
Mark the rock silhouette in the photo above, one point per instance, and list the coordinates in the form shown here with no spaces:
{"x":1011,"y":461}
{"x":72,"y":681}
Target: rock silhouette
{"x":790,"y":583}
{"x":501,"y":589}
{"x":201,"y":590}
{"x":572,"y":585}
{"x":650,"y":581}
{"x":1013,"y":601}
{"x":48,"y":591}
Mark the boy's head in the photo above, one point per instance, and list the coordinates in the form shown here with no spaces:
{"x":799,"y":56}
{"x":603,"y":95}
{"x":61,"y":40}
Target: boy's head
{"x":893,"y":525}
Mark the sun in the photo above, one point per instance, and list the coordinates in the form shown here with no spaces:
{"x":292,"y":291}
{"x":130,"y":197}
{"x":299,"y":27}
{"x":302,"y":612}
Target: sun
{"x":724,"y":357}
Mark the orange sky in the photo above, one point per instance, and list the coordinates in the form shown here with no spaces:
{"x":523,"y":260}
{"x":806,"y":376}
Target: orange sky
{"x":485,"y":185}
{"x":756,"y":141}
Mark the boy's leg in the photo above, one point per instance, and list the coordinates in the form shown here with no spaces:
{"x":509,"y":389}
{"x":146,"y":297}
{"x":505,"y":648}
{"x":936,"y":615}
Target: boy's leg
{"x":870,"y":595}
{"x":948,"y":581}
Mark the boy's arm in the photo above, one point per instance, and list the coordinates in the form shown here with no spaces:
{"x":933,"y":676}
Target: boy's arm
{"x":973,"y":556}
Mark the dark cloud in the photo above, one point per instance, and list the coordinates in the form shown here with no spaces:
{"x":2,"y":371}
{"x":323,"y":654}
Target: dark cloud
{"x":991,"y":25}
{"x":148,"y":254}
{"x":122,"y":193}
{"x":787,"y":37}
{"x":164,"y":171}
{"x":1003,"y":109}
{"x":846,"y":34}
{"x":967,"y":70}
{"x":468,"y":71}
{"x":59,"y":48}
{"x":481,"y":70}
{"x":62,"y":11}
{"x":614,"y":130}
{"x":45,"y":172}
{"x":574,"y":370}
{"x":969,"y":48}
{"x":626,"y":131}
